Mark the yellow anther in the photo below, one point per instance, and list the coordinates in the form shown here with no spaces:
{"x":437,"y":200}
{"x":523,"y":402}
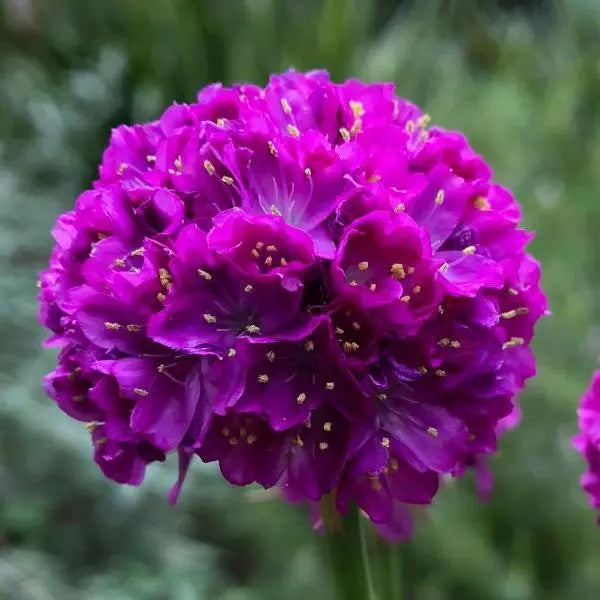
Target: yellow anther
{"x":138,"y":251}
{"x":455,"y":344}
{"x":511,"y":314}
{"x":259,"y":245}
{"x":178,"y":164}
{"x":329,"y":385}
{"x":416,"y":289}
{"x":404,"y":298}
{"x":444,"y":267}
{"x":356,"y":127}
{"x":481,"y":203}
{"x":301,"y":398}
{"x":270,"y":356}
{"x":121,"y":168}
{"x":323,"y":445}
{"x":164,"y":277}
{"x":100,"y":441}
{"x":423,"y":370}
{"x":209,"y":167}
{"x":382,"y":396}
{"x":231,"y":352}
{"x":469,"y":250}
{"x":140,"y":391}
{"x":443,"y":342}
{"x":225,"y":431}
{"x":233,"y":441}
{"x":161,"y":368}
{"x":285,"y":105}
{"x":347,"y":346}
{"x":327,"y":426}
{"x":269,"y":261}
{"x":248,"y":288}
{"x":363,"y":266}
{"x":283,"y":262}
{"x":354,"y":283}
{"x":432,"y":431}
{"x":409,"y":127}
{"x":440,"y":373}
{"x":513,"y":291}
{"x":355,"y":325}
{"x":275,"y":211}
{"x":298,"y":441}
{"x":112,"y":326}
{"x":439,"y":198}
{"x":397,"y":271}
{"x":254,"y":253}
{"x":308,"y":172}
{"x":358,"y":109}
{"x":293,"y":131}
{"x":252,"y":437}
{"x":373,"y":178}
{"x":373,"y":287}
{"x":385,"y":442}
{"x":263,"y":378}
{"x":400,"y":207}
{"x":119,"y":262}
{"x":209,"y":318}
{"x":150,"y":158}
{"x":272,"y":148}
{"x":423,"y":121}
{"x":204,"y":274}
{"x":227,"y":180}
{"x":220,"y":122}
{"x":410,"y":270}
{"x":133,"y":327}
{"x":344,"y":133}
{"x":161,"y":297}
{"x":394,"y":464}
{"x":271,"y":248}
{"x":309,"y":345}
{"x":252,"y":328}
{"x":339,"y":331}
{"x":91,"y":426}
{"x":514,"y":341}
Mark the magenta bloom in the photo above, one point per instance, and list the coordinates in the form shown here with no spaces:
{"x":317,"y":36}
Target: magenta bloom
{"x":305,"y":283}
{"x":588,"y":440}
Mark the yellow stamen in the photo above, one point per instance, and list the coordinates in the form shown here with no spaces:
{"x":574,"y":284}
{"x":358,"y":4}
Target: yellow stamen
{"x":112,"y":326}
{"x":439,"y":198}
{"x":270,"y":356}
{"x":405,"y":299}
{"x":469,"y":250}
{"x":301,"y":398}
{"x":309,"y":345}
{"x":323,"y":446}
{"x":231,"y":352}
{"x":385,"y":442}
{"x":344,"y":133}
{"x":400,"y":207}
{"x":416,"y":289}
{"x":397,"y":271}
{"x":209,"y":318}
{"x":358,"y":109}
{"x":363,"y":266}
{"x":133,"y":328}
{"x":285,"y":105}
{"x":293,"y":131}
{"x":329,"y":385}
{"x":264,"y":378}
{"x":227,"y":180}
{"x":252,"y":328}
{"x":272,"y":148}
{"x":327,"y":426}
{"x":209,"y":167}
{"x":481,"y":203}
{"x":432,"y":431}
{"x":204,"y":274}
{"x":248,"y":288}
{"x":252,"y":437}
{"x":140,"y":391}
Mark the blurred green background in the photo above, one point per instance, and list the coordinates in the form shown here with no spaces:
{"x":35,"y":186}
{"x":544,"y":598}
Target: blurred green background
{"x":522,"y":79}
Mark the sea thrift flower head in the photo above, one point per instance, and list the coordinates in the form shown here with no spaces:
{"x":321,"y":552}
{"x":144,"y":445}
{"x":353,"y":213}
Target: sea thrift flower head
{"x":588,"y":440}
{"x":305,"y":283}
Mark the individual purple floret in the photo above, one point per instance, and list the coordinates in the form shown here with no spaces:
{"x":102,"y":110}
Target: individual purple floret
{"x":588,"y":440}
{"x":305,"y":283}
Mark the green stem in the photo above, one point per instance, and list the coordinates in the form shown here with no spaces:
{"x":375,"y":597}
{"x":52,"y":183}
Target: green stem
{"x":349,"y":556}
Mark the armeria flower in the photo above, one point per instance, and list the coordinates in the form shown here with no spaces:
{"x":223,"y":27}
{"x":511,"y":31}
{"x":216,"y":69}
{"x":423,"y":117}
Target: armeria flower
{"x":588,"y":440}
{"x":304,"y":283}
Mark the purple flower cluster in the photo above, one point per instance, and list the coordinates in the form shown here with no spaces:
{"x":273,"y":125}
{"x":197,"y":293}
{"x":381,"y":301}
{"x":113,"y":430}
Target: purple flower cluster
{"x":305,"y":283}
{"x":588,"y":440}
